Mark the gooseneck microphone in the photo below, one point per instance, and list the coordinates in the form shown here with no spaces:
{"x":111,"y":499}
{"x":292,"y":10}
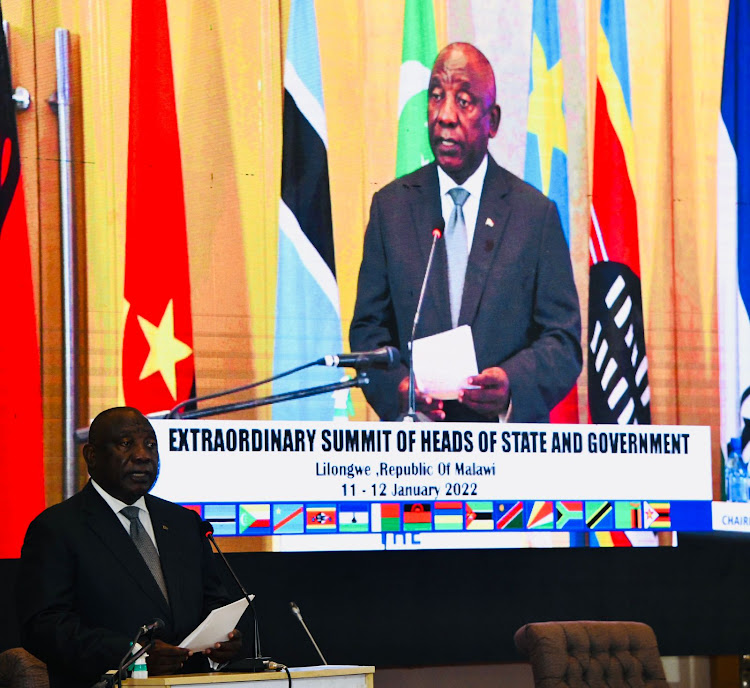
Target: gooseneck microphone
{"x":412,"y":415}
{"x":249,"y":664}
{"x":113,"y":678}
{"x":295,"y":610}
{"x":155,"y":625}
{"x":385,"y":358}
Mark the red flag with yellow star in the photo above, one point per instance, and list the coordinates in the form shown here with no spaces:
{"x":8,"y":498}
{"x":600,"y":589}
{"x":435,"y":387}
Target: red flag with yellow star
{"x":21,"y":452}
{"x":158,"y":369}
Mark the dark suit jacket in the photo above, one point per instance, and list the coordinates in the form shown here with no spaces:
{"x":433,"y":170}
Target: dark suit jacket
{"x":519,"y":295}
{"x":84,"y":589}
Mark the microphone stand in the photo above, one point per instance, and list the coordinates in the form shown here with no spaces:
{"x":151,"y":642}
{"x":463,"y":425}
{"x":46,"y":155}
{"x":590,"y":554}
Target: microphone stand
{"x":360,"y":381}
{"x":295,"y":610}
{"x":412,"y":415}
{"x":112,"y":678}
{"x":131,"y":659}
{"x":249,"y":664}
{"x":82,"y":434}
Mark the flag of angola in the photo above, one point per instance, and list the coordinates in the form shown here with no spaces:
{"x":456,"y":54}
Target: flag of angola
{"x":158,"y":367}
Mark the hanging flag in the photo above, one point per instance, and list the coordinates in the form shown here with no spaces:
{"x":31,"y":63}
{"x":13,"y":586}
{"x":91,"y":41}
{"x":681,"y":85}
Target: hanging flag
{"x":158,"y":368}
{"x":417,"y":56}
{"x":308,"y":317}
{"x":733,"y":231}
{"x":546,"y":165}
{"x":617,"y":366}
{"x":21,"y":449}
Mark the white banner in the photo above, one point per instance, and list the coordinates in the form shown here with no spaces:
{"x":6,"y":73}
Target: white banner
{"x":246,"y":461}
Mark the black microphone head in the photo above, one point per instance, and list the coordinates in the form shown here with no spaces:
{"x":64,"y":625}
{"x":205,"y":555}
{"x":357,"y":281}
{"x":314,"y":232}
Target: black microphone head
{"x":207,"y":528}
{"x":153,"y":625}
{"x":438,"y":227}
{"x":394,"y":357}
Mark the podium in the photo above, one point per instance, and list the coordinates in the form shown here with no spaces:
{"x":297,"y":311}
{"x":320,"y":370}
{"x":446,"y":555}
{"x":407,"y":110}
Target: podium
{"x":331,"y":676}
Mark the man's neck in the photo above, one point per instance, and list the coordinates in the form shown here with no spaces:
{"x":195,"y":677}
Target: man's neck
{"x":460,"y":177}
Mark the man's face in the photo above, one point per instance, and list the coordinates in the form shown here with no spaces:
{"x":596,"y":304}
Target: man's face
{"x":123,"y":457}
{"x":461,"y":113}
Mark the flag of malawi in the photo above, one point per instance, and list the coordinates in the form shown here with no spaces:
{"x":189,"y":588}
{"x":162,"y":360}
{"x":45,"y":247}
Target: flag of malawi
{"x":617,"y":366}
{"x":21,"y":449}
{"x":158,"y":368}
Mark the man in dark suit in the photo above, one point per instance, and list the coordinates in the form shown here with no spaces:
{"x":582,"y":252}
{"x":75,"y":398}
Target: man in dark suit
{"x":86,"y":586}
{"x":515,"y":287}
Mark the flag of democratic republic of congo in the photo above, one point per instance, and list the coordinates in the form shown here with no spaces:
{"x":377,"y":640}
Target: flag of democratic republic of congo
{"x":547,"y":139}
{"x":308,"y":318}
{"x":418,"y":52}
{"x":617,"y":366}
{"x":21,"y":426}
{"x":733,"y":230}
{"x":158,"y":368}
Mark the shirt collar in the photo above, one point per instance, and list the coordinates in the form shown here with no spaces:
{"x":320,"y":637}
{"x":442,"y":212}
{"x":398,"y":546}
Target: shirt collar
{"x":473,"y":184}
{"x":115,"y":504}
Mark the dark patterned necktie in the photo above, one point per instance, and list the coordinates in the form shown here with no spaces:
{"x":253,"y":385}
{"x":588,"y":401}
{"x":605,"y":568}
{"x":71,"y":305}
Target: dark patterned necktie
{"x":145,"y":546}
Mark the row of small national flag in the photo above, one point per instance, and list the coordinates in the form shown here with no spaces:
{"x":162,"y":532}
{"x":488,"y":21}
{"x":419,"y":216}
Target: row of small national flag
{"x":394,"y":517}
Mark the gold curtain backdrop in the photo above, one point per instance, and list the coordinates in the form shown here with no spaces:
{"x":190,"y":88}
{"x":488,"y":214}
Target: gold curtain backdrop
{"x":228,"y":59}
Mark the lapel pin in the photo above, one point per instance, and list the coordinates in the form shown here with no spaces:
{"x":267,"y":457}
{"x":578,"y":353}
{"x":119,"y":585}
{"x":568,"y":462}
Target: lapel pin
{"x":165,"y":527}
{"x":489,"y":222}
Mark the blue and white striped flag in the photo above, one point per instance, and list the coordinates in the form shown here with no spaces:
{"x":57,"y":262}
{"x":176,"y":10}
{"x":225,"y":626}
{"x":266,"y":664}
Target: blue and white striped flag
{"x":308,"y":318}
{"x":733,"y":230}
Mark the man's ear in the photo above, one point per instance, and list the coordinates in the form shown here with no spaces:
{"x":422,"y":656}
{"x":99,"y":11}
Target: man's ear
{"x":89,"y":454}
{"x":495,"y":114}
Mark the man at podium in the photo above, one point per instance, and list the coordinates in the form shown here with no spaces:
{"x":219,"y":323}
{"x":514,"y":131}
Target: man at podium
{"x":112,"y":558}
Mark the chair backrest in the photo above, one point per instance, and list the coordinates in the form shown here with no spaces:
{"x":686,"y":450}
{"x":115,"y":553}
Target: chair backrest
{"x":20,"y":669}
{"x":592,"y":654}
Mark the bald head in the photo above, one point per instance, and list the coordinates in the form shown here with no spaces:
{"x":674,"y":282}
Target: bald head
{"x":458,"y":56}
{"x":462,"y":113}
{"x":100,"y":428}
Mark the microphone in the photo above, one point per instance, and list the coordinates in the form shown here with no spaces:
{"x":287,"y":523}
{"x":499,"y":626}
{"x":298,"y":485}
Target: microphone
{"x":155,"y":625}
{"x":134,"y":652}
{"x":412,"y":415}
{"x":249,"y":664}
{"x":385,"y":358}
{"x":295,"y":610}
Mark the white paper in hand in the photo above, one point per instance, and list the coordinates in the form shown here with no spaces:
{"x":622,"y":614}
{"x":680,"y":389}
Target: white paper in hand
{"x":216,"y":627}
{"x":442,"y":362}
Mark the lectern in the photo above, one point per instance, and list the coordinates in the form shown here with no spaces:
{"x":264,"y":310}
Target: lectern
{"x":331,"y":676}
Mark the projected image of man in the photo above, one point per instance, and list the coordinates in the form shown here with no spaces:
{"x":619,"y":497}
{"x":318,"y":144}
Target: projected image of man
{"x":504,"y":268}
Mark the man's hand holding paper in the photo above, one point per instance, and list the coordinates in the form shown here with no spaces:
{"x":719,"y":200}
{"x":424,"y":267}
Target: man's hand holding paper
{"x":445,"y":367}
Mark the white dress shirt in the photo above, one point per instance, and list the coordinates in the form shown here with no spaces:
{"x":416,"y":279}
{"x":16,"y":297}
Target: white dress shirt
{"x":474,"y":185}
{"x":116,"y":505}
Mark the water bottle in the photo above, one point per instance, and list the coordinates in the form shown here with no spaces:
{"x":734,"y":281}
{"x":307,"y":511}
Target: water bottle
{"x":736,"y":473}
{"x":140,"y":670}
